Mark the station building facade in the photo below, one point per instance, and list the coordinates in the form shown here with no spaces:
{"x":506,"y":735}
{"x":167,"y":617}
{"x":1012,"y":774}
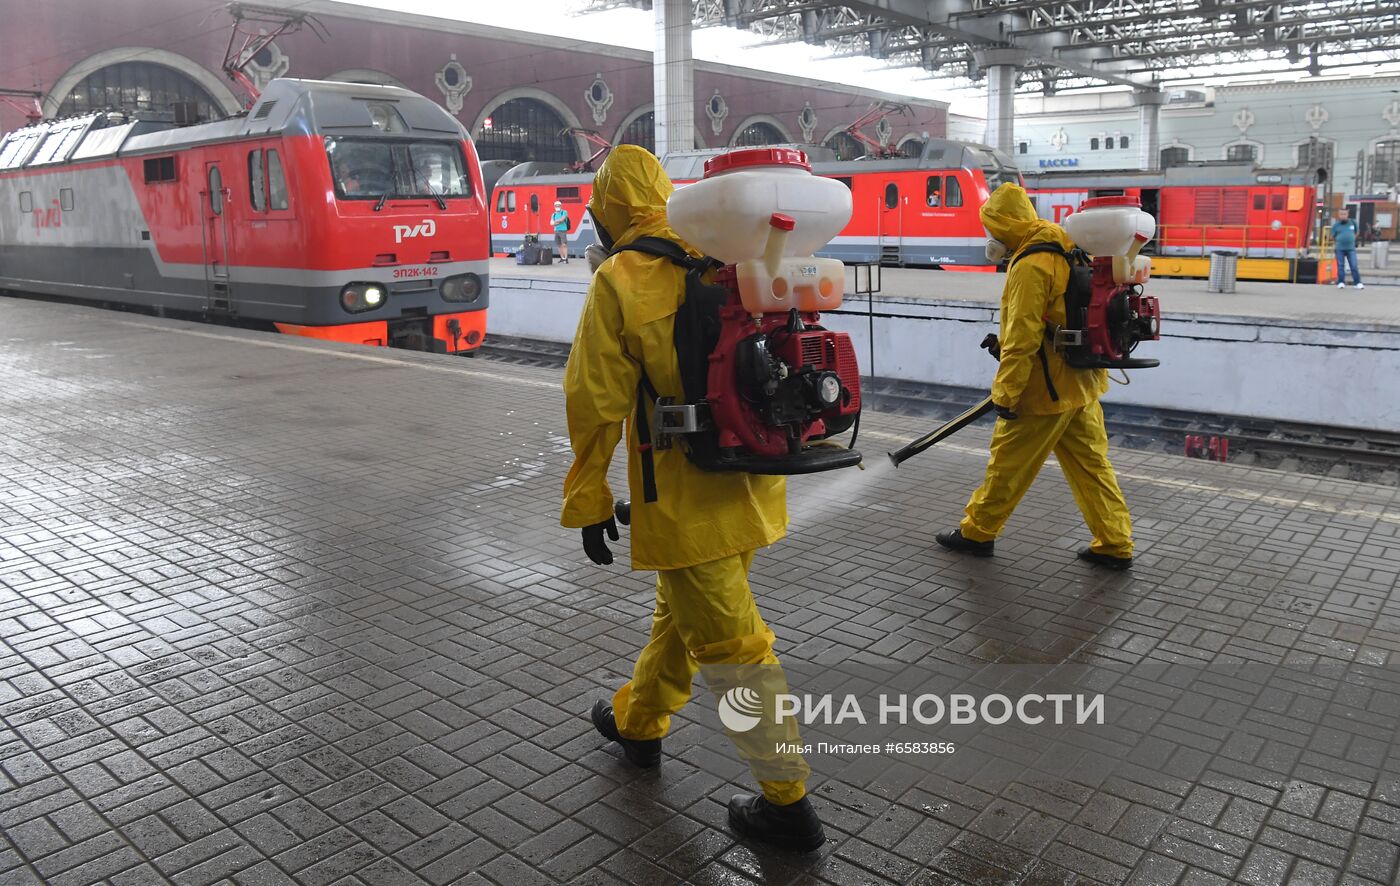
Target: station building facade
{"x":516,"y":92}
{"x":1347,"y":125}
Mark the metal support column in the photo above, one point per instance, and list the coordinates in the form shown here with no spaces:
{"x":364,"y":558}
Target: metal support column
{"x":1000,"y":67}
{"x":1149,"y":105}
{"x":673,"y":77}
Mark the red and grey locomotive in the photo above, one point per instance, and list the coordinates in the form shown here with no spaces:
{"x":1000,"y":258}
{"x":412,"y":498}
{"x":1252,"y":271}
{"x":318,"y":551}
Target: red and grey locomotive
{"x":339,"y":211}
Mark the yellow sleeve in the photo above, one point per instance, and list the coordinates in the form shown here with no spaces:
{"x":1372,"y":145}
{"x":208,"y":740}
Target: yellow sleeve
{"x":1029,"y":288}
{"x":600,"y":389}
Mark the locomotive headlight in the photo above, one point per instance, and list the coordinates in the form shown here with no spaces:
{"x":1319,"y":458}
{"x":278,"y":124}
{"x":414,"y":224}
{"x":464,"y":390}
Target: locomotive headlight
{"x":360,"y":297}
{"x":829,"y":389}
{"x":463,"y":288}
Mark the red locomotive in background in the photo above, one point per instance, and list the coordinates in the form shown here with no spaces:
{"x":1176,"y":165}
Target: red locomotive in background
{"x":919,"y":211}
{"x":339,"y":211}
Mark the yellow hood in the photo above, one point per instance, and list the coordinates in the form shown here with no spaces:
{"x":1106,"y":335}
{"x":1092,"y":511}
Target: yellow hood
{"x":629,"y":196}
{"x":1009,"y":217}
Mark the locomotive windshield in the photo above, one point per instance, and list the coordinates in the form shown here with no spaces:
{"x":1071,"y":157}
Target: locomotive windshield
{"x":373,"y":169}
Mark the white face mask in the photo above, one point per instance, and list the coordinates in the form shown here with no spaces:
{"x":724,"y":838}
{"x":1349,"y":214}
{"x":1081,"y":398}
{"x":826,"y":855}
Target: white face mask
{"x":996,"y":251}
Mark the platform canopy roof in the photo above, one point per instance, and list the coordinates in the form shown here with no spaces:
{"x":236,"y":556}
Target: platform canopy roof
{"x":1075,"y":43}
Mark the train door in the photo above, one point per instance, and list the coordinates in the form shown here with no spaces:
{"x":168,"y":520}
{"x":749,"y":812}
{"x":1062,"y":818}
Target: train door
{"x":891,"y":223}
{"x":215,"y":202}
{"x":1150,"y":206}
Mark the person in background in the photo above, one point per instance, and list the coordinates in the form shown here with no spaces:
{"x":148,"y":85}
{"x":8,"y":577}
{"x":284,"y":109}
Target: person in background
{"x":1043,"y":404}
{"x":1344,"y":242}
{"x":560,"y":222}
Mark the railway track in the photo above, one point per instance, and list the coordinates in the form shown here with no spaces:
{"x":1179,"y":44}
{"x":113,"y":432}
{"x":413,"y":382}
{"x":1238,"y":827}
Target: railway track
{"x":1340,"y":453}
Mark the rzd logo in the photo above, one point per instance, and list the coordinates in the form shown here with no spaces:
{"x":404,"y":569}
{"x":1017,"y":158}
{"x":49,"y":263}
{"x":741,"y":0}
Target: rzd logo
{"x":427,"y":229}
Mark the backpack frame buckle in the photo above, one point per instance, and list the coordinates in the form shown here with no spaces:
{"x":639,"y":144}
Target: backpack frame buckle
{"x":671,"y":419}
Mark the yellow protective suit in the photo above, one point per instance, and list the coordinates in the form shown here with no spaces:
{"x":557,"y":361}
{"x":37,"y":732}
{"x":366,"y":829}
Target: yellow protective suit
{"x":1071,"y":427}
{"x":701,"y":532}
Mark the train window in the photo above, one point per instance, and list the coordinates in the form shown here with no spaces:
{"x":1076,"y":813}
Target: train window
{"x":891,"y":195}
{"x":953,"y":195}
{"x":257,"y":185}
{"x":500,"y":201}
{"x":159,"y":169}
{"x":933,"y":191}
{"x":534,"y":202}
{"x":26,"y":201}
{"x":1260,"y":200}
{"x":567,"y":195}
{"x":510,"y":201}
{"x":371,"y":168}
{"x":847,"y":181}
{"x":216,"y":190}
{"x":1278,"y":203}
{"x":1024,"y":147}
{"x":276,"y":181}
{"x":65,"y":199}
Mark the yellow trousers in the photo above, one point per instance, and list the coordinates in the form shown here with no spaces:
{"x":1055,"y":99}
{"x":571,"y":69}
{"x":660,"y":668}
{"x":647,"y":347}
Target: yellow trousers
{"x":706,"y":620}
{"x":1080,"y":444}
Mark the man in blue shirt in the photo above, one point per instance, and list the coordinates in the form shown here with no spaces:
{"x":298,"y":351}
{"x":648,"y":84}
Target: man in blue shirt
{"x":1344,"y":240}
{"x":560,"y":222}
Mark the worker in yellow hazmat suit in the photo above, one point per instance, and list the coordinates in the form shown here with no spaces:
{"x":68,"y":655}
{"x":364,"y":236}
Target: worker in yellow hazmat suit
{"x":699,"y":534}
{"x":1044,"y":404}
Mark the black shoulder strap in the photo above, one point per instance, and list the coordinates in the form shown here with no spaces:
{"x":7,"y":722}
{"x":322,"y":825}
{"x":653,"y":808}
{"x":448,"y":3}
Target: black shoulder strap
{"x":668,"y":249}
{"x":1074,"y":257}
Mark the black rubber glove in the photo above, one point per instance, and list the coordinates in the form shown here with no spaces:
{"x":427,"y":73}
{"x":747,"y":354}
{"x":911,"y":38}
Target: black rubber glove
{"x":1003,"y":411}
{"x":992,"y":345}
{"x":593,"y":544}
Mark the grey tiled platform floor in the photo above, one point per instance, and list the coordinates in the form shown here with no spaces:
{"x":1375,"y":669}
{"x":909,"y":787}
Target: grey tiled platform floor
{"x":277,"y":612}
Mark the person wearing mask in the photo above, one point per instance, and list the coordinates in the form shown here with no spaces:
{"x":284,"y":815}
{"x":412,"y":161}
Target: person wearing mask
{"x":1043,"y":404}
{"x":560,"y":222}
{"x":1344,"y":244}
{"x":700,"y":532}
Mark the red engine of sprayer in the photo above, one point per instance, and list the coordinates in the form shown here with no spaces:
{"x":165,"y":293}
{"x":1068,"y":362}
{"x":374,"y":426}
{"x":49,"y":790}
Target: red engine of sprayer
{"x":779,"y":381}
{"x":1118,"y":316}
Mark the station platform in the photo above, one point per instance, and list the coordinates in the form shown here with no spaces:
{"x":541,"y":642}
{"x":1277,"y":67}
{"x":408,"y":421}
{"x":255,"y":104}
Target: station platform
{"x":279,"y":611}
{"x":1303,"y":353}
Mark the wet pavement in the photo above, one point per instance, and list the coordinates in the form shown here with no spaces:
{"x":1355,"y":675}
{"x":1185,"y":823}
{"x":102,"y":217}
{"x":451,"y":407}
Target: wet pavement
{"x":275,"y":611}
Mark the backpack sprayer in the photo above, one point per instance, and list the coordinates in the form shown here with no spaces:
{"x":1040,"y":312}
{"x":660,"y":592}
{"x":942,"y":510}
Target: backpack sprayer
{"x":1106,"y":314}
{"x":763,"y":382}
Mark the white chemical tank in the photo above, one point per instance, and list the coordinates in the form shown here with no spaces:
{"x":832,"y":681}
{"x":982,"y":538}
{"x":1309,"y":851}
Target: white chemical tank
{"x":726,"y":213}
{"x":1110,"y":226}
{"x":1114,"y":227}
{"x":764,"y":212}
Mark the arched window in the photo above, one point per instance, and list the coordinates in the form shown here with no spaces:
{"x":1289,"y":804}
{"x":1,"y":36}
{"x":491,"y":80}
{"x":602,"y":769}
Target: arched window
{"x":138,"y":86}
{"x":913,"y":147}
{"x":1174,"y":157}
{"x":641,"y":131}
{"x":846,"y":147}
{"x":1108,"y":143}
{"x":1242,"y":152}
{"x":1316,"y":154}
{"x":1093,"y":144}
{"x":1385,"y":164}
{"x":1122,"y":141}
{"x":758,"y":134}
{"x":525,"y":129}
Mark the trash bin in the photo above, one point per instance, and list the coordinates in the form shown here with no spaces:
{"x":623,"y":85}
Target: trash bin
{"x":1223,"y":267}
{"x":1380,"y":254}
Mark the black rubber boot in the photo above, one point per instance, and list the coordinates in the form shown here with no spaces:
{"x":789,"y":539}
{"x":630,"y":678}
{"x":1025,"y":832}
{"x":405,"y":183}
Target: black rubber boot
{"x":795,"y":827}
{"x":953,"y":540}
{"x":1089,"y":555}
{"x":645,"y":753}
